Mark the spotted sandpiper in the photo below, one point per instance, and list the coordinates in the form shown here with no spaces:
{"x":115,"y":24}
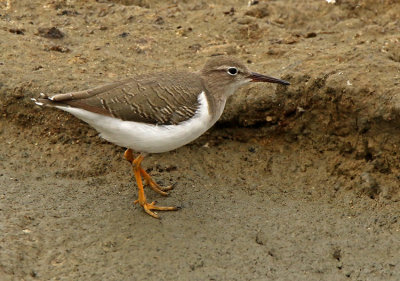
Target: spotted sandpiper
{"x":158,"y":112}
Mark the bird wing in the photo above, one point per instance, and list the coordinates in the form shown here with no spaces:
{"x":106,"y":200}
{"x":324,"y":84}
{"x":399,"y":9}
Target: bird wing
{"x":154,"y":99}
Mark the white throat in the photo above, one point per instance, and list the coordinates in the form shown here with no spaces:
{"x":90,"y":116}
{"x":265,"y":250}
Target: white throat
{"x":233,"y":87}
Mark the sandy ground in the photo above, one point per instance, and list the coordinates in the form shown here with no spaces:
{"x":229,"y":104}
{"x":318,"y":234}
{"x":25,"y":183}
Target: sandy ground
{"x":296,"y":183}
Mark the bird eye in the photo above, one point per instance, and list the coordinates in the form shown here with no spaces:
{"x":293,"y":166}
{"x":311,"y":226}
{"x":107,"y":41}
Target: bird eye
{"x":232,"y":71}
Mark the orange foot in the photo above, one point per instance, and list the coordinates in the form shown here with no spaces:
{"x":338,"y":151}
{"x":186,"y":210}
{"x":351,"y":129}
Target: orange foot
{"x":139,"y":172}
{"x":149,"y":181}
{"x":152,"y":206}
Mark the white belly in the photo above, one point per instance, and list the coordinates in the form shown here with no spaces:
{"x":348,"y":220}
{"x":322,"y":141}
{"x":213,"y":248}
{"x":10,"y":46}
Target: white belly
{"x":145,"y":137}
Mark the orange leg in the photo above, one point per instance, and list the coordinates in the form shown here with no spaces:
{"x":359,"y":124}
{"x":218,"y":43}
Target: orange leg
{"x":138,"y":172}
{"x":147,"y":178}
{"x":153,"y":184}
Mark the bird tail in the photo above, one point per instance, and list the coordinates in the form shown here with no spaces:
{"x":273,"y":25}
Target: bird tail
{"x":44,"y":100}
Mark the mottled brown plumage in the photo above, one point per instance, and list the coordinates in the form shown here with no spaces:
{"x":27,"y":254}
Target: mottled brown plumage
{"x":160,"y":98}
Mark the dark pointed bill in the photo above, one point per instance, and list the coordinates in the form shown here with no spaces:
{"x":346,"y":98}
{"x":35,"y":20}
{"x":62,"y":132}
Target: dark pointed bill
{"x":256,"y":77}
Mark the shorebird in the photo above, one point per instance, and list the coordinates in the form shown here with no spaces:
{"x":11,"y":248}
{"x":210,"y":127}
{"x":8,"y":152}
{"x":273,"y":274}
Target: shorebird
{"x":158,"y":112}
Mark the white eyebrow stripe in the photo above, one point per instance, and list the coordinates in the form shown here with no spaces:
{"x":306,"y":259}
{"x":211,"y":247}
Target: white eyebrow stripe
{"x":224,"y":67}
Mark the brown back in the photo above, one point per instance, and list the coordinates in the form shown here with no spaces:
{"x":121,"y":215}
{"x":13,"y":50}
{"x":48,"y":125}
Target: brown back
{"x":161,"y":98}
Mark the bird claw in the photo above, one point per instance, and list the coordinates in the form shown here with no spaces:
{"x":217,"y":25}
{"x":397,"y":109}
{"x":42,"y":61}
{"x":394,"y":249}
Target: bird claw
{"x":139,"y":172}
{"x":159,"y":189}
{"x":149,"y":181}
{"x":148,"y":207}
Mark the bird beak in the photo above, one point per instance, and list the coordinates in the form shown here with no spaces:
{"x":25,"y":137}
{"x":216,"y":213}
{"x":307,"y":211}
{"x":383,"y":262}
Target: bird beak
{"x":256,"y":77}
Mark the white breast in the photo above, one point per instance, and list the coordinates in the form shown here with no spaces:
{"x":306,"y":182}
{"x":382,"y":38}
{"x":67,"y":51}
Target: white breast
{"x":145,"y":137}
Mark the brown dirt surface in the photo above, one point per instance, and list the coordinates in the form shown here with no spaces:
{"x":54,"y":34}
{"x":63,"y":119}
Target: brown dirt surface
{"x":293,"y":183}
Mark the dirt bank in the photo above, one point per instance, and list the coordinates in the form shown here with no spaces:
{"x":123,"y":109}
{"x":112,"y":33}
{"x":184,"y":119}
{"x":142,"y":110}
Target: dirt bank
{"x":296,"y":183}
